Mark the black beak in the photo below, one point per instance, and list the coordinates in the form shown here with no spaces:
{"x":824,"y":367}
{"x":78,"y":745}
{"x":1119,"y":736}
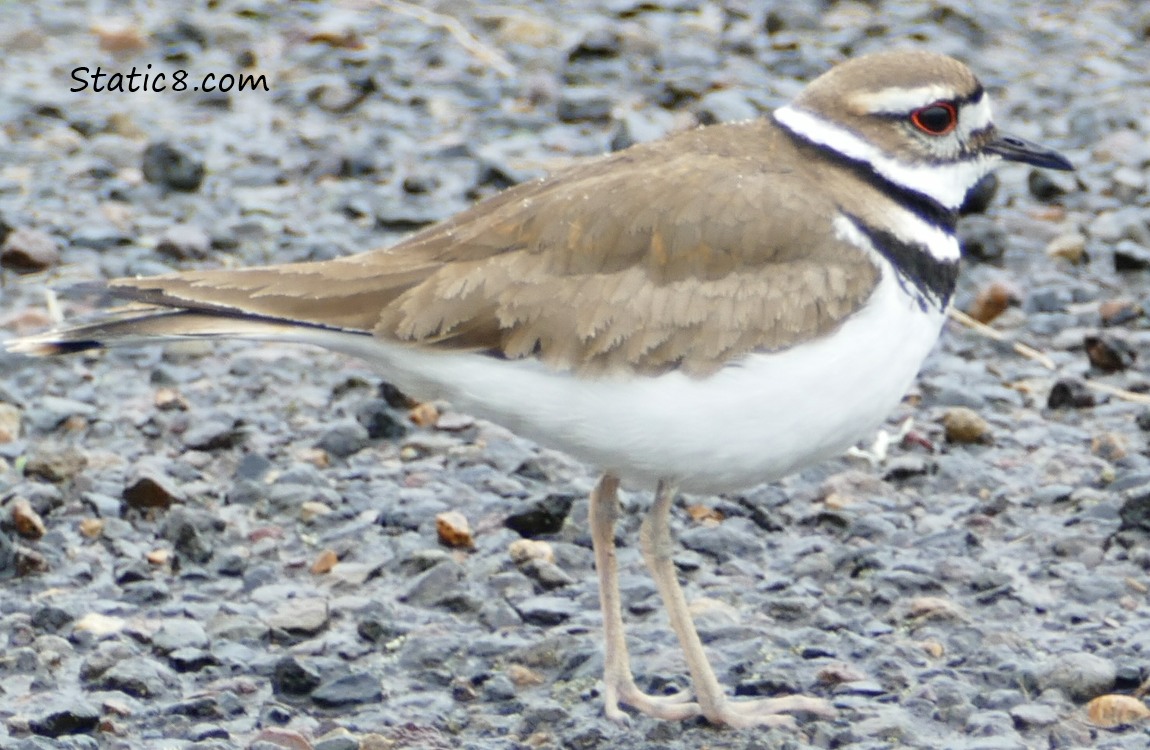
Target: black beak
{"x":1013,"y":148}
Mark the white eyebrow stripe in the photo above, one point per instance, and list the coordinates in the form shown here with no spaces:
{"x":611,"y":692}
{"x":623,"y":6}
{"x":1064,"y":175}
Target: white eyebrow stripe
{"x":897,"y":100}
{"x":974,"y":116}
{"x":946,"y":183}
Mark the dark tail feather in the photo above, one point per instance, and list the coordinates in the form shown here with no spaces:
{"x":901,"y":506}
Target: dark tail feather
{"x":133,"y":327}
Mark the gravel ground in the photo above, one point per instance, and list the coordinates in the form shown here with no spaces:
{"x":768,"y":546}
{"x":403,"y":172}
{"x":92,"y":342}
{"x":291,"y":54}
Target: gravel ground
{"x":236,"y":546}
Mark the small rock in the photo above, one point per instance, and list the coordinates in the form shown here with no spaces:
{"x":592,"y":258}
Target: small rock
{"x":548,"y":574}
{"x":724,"y":105}
{"x":185,"y":242}
{"x":1046,"y":187}
{"x":379,"y":419}
{"x":442,"y":586}
{"x":583,"y":104}
{"x":544,"y":517}
{"x":1070,"y":393}
{"x":55,"y":464}
{"x":524,"y":550}
{"x":905,"y":467}
{"x":28,"y":251}
{"x":280,"y":737}
{"x":151,"y":489}
{"x":344,"y":439}
{"x":1116,"y":710}
{"x":1033,"y":715}
{"x":291,"y":677}
{"x":304,"y":616}
{"x":546,"y":610}
{"x":1115,"y":312}
{"x":349,"y":690}
{"x":60,"y":718}
{"x":424,"y":414}
{"x":337,"y":739}
{"x":965,"y":425}
{"x":99,"y":625}
{"x":1080,"y":676}
{"x":1110,"y":446}
{"x":213,"y":434}
{"x":310,"y":510}
{"x":179,"y":633}
{"x":453,"y":530}
{"x":26,"y":520}
{"x":10,"y":418}
{"x":1108,"y":353}
{"x":324,"y":562}
{"x":171,"y":167}
{"x":992,"y":301}
{"x":1069,"y":247}
{"x":138,"y":677}
{"x":191,"y":660}
{"x":189,"y":532}
{"x":1131,"y":256}
{"x":979,"y":197}
{"x":981,"y":238}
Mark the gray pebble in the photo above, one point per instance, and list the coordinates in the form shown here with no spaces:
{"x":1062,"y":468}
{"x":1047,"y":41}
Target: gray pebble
{"x":1080,"y":676}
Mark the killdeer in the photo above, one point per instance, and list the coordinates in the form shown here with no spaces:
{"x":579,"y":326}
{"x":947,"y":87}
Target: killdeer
{"x":707,"y":312}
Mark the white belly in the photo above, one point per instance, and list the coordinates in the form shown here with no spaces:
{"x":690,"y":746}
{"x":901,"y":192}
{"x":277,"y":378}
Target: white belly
{"x":756,"y":420}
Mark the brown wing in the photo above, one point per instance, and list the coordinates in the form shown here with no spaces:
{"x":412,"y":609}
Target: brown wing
{"x":677,"y":254}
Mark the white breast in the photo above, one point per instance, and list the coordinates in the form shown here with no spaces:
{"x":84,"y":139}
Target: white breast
{"x":754,"y":421}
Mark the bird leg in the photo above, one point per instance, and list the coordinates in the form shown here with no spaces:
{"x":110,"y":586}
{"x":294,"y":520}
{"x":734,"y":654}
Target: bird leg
{"x":712,"y":703}
{"x":619,"y":684}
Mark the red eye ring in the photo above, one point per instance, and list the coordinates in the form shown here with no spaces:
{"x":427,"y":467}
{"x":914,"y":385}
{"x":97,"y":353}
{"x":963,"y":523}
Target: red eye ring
{"x":938,"y":118}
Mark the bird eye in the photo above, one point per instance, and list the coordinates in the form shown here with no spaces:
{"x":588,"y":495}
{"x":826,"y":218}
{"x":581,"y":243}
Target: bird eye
{"x":935,"y":119}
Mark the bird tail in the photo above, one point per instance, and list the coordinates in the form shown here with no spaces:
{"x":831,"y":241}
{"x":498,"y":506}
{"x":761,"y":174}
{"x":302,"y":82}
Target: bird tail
{"x":147,"y":325}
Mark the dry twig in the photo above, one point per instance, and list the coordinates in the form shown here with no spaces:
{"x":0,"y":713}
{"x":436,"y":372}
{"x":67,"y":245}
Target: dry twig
{"x":1033,"y":354}
{"x":482,"y":52}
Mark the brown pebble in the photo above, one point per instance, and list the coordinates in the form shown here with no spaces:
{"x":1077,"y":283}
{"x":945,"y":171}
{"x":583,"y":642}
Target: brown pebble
{"x":1069,"y":247}
{"x":965,"y":425}
{"x":932,"y":648}
{"x":933,"y":608}
{"x":705,"y":515}
{"x":169,"y":399}
{"x":424,"y":414}
{"x":992,"y":301}
{"x":522,"y":676}
{"x":522,"y":550}
{"x":30,"y":562}
{"x":1110,"y":446}
{"x":838,"y":674}
{"x":28,"y":251}
{"x":119,"y":36}
{"x":1116,"y":710}
{"x":289,"y":739}
{"x":26,"y":520}
{"x":1116,"y":312}
{"x":10,"y":420}
{"x":159,"y":557}
{"x":151,"y":490}
{"x":325,"y":562}
{"x":55,"y":464}
{"x":92,"y":528}
{"x":317,"y":457}
{"x":454,"y":530}
{"x":1108,"y":353}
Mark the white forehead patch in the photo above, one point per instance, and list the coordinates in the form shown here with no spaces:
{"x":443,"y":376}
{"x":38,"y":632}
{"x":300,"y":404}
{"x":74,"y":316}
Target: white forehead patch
{"x":897,"y":100}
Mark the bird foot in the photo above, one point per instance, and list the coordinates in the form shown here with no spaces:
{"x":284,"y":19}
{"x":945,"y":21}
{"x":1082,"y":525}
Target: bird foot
{"x":766,"y":712}
{"x":674,"y":707}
